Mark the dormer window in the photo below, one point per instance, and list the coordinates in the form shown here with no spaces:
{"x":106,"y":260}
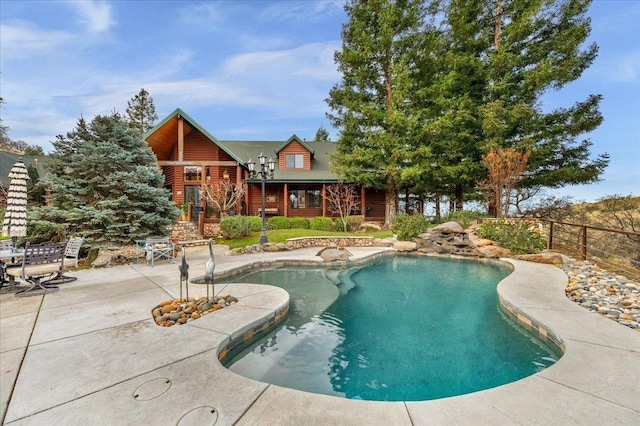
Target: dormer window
{"x":294,"y":161}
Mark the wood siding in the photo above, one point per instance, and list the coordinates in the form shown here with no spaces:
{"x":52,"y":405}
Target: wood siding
{"x":294,"y":148}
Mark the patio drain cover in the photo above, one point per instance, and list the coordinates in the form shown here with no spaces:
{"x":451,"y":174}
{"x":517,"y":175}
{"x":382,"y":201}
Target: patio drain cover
{"x":199,"y":416}
{"x":152,"y":389}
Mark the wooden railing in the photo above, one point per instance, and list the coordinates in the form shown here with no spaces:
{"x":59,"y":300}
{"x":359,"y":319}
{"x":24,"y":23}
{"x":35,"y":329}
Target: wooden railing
{"x":615,"y":250}
{"x":618,"y":250}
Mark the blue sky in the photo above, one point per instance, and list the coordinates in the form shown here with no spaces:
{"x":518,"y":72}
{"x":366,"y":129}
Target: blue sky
{"x":252,"y":70}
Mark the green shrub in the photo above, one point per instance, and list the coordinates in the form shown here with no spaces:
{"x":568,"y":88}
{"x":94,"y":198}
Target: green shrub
{"x":255,"y":223}
{"x":339,"y":226}
{"x":354,"y":222}
{"x":464,"y":217}
{"x":321,"y":223}
{"x":278,"y":222}
{"x":235,"y":226}
{"x":515,"y":236}
{"x":407,"y":227}
{"x":299,"y":222}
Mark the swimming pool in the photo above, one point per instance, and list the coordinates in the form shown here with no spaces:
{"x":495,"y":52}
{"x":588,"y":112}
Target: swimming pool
{"x":402,"y":328}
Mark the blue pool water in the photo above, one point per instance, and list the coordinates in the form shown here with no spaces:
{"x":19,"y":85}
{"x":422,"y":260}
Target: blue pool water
{"x":401,"y":328}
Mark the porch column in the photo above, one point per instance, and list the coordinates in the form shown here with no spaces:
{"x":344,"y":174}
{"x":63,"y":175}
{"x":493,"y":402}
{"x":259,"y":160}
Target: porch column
{"x":286,"y":200}
{"x":239,"y":185}
{"x":363,"y":199}
{"x":247,"y":198}
{"x":324,"y":198}
{"x":203,"y":195}
{"x":180,"y":139}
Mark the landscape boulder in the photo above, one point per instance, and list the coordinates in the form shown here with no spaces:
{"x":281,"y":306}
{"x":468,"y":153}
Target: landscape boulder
{"x":544,"y":257}
{"x":334,"y":255}
{"x":405,"y":246}
{"x":495,"y":251}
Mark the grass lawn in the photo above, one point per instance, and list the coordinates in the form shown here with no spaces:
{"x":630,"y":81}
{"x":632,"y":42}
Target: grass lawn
{"x":282,"y":235}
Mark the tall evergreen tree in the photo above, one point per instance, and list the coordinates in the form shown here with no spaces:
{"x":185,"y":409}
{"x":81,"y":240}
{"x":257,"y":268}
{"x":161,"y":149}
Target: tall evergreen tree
{"x":370,"y":105}
{"x":537,"y":48}
{"x":500,"y":58}
{"x":105,"y":183}
{"x":141,"y":112}
{"x":322,"y":134}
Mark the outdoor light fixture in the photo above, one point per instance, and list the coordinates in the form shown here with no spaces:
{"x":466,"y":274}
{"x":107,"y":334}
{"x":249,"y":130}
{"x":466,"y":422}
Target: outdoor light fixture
{"x":225,"y":174}
{"x":266,"y":171}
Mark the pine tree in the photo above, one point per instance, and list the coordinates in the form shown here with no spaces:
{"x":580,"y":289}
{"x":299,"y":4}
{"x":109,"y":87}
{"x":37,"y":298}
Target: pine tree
{"x":322,"y":134}
{"x":370,"y":105}
{"x":537,"y":48}
{"x":141,"y":112}
{"x":105,"y":183}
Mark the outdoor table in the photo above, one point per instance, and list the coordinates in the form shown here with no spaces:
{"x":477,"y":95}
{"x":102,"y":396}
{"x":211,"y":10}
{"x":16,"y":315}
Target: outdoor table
{"x":8,"y":255}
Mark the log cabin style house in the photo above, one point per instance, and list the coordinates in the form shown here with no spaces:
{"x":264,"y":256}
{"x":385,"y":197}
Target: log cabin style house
{"x":191,"y":157}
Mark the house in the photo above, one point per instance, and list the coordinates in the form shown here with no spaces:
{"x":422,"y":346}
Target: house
{"x":191,"y":157}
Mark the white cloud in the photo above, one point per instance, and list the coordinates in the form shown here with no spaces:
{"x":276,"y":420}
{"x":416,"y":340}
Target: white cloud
{"x":302,"y":11}
{"x":205,"y":15}
{"x":95,"y":15}
{"x":22,"y":39}
{"x":628,"y":68}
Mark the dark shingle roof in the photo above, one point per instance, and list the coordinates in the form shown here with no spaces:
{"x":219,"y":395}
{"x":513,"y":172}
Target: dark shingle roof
{"x":320,"y":170}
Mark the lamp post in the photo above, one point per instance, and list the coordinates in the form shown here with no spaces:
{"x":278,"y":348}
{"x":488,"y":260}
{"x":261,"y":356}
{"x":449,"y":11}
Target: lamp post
{"x":266,"y":171}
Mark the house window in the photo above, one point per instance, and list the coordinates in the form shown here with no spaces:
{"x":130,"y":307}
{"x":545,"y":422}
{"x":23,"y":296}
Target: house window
{"x":294,"y":161}
{"x":297,"y":199}
{"x":192,"y":173}
{"x":313,"y":198}
{"x":300,"y":199}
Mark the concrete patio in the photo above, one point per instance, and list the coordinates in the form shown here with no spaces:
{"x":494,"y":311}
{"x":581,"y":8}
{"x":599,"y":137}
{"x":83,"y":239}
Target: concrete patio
{"x":91,"y":353}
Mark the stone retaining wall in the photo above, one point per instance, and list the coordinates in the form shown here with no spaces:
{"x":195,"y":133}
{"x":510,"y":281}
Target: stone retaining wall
{"x":303,"y":242}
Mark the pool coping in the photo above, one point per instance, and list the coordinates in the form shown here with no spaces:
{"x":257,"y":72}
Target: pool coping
{"x":596,"y":381}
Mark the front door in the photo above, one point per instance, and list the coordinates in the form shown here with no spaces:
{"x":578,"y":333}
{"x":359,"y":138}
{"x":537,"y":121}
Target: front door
{"x":192,"y":196}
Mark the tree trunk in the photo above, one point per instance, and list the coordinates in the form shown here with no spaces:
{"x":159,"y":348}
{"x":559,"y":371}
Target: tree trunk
{"x":437,"y":201}
{"x":390,"y":204}
{"x":459,"y":202}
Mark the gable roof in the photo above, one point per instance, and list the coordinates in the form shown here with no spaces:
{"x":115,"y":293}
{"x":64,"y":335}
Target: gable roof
{"x":297,"y":139}
{"x":162,"y":137}
{"x":320,"y":168}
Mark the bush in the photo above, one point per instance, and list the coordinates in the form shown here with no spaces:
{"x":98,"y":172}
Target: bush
{"x":339,"y":226}
{"x":255,"y":223}
{"x":321,"y":223}
{"x":407,"y":227}
{"x":517,"y":236}
{"x":278,"y":222}
{"x":299,"y":223}
{"x":236,"y":226}
{"x":354,"y":222}
{"x":464,"y":217}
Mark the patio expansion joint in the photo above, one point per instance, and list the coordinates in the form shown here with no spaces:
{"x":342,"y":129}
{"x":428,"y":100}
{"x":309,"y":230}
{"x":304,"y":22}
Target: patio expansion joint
{"x":591,"y":395}
{"x":24,"y":355}
{"x":91,"y":332}
{"x":600,"y":345}
{"x":79,"y":397}
{"x":246,"y":410}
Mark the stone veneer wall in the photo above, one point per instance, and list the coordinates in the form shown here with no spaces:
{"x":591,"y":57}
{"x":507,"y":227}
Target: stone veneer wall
{"x":184,"y":231}
{"x":303,"y":242}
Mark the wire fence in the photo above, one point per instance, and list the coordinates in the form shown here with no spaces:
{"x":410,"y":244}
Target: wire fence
{"x":616,"y":250}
